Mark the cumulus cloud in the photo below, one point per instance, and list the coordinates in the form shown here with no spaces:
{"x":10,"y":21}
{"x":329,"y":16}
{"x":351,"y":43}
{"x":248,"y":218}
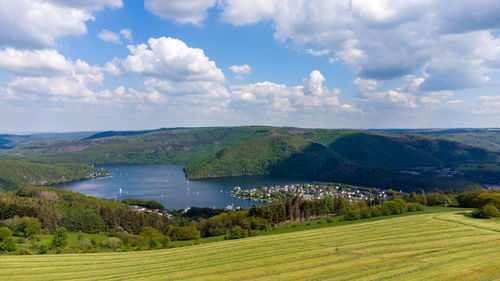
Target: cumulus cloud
{"x":172,"y":59}
{"x":41,"y":22}
{"x":46,"y":78}
{"x":282,"y":98}
{"x":109,"y":36}
{"x":184,"y":75}
{"x":35,"y":63}
{"x":388,"y":39}
{"x":185,"y":11}
{"x":241,"y":69}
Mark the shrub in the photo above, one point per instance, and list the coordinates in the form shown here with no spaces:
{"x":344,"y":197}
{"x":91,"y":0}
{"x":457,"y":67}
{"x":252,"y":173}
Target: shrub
{"x":4,"y":233}
{"x":376,"y":211}
{"x":236,"y":232}
{"x":403,"y":207}
{"x":415,"y":207}
{"x":23,"y":252}
{"x":486,"y":212}
{"x":329,"y":220}
{"x":42,"y":249}
{"x":354,"y":214}
{"x":320,"y":222}
{"x":85,"y":244}
{"x":184,"y":233}
{"x":60,"y":238}
{"x":112,"y":243}
{"x":165,"y":241}
{"x":21,"y":240}
{"x":391,"y":208}
{"x":366,"y":213}
{"x":8,"y":244}
{"x":154,"y":244}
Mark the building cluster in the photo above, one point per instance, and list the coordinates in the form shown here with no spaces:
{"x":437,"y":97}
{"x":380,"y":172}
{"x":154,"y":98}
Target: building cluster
{"x":308,"y":191}
{"x":448,"y":172}
{"x":149,"y":211}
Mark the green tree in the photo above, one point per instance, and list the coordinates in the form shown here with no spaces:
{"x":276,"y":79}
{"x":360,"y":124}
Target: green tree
{"x":42,"y":249}
{"x":330,"y":205}
{"x":31,"y":226}
{"x":8,"y":244}
{"x":60,"y":238}
{"x":486,"y":212}
{"x":4,"y":233}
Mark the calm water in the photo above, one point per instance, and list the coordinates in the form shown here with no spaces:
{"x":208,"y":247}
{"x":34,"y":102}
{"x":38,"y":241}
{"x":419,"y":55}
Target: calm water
{"x":168,"y":185}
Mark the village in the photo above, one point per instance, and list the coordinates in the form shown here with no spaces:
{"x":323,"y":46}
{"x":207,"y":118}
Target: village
{"x":309,"y":191}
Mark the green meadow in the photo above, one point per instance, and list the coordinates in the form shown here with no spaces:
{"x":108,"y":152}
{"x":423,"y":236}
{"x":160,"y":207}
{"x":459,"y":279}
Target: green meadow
{"x":432,"y":246}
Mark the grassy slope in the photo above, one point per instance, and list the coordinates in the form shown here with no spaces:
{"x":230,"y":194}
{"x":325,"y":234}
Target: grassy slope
{"x":445,"y":246}
{"x":15,"y":174}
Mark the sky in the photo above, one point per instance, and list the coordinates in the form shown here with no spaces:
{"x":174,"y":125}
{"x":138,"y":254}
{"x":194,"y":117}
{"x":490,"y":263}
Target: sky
{"x":88,"y":65}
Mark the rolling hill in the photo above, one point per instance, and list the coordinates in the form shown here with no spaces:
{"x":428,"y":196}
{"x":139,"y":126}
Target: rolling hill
{"x":15,"y":174}
{"x":437,"y":246}
{"x":351,"y":156}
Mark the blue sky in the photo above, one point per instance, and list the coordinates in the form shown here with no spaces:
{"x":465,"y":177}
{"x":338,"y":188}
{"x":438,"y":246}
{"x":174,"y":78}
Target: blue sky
{"x":120,"y":65}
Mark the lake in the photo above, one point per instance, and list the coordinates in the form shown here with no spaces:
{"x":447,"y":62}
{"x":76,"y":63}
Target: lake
{"x":167,"y":184}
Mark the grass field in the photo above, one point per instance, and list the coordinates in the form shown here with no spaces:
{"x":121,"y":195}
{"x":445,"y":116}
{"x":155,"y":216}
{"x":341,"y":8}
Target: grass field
{"x":443,"y":246}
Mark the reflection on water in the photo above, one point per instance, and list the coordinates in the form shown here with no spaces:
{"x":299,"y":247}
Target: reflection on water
{"x":167,"y":184}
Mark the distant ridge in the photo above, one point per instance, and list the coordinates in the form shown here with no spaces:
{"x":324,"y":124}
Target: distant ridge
{"x":107,"y":134}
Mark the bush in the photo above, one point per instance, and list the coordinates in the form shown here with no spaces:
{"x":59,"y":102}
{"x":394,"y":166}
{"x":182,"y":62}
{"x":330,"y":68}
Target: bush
{"x":376,"y":211}
{"x":391,"y":208}
{"x":165,"y":241}
{"x":154,"y":244}
{"x":486,"y":212}
{"x":21,"y":240}
{"x":366,"y":213}
{"x":60,"y":238}
{"x":320,"y":222}
{"x":403,"y":207}
{"x":184,"y":233}
{"x":112,"y":243}
{"x":26,"y":226}
{"x":4,"y":233}
{"x":42,"y":249}
{"x":354,"y":214}
{"x":236,"y":232}
{"x":415,"y":207}
{"x":329,"y":220}
{"x":8,"y":244}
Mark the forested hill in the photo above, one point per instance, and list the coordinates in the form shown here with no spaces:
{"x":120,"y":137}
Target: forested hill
{"x":16,"y":174}
{"x":352,"y":156}
{"x":357,"y":158}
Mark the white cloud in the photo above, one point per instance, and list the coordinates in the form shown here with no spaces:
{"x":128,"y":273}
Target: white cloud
{"x":45,"y":79}
{"x":90,"y":5}
{"x":318,"y":53}
{"x":241,"y":69}
{"x":172,"y":59}
{"x":282,"y":98}
{"x":109,"y":36}
{"x":38,"y":23}
{"x":184,"y":76}
{"x":36,"y":62}
{"x":127,"y":34}
{"x":185,"y":11}
{"x":388,"y":39}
